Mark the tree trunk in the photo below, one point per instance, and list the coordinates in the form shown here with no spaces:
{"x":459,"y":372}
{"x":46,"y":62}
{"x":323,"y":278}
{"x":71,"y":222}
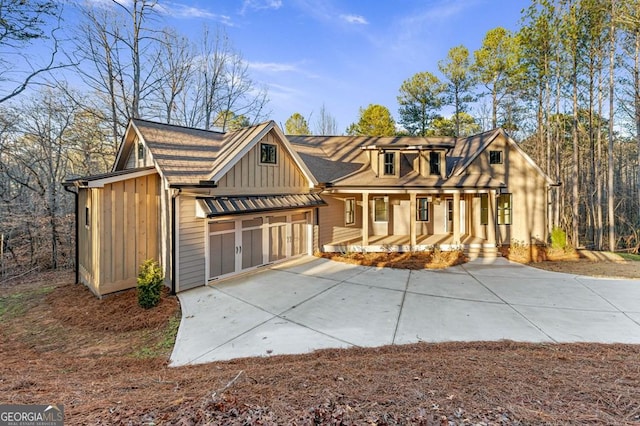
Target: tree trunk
{"x":610,"y":183}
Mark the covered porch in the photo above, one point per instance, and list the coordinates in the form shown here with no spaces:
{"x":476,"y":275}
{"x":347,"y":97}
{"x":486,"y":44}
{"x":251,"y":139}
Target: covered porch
{"x":417,"y":220}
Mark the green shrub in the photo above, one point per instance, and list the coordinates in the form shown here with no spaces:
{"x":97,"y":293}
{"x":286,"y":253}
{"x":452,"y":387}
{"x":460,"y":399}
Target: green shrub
{"x":150,"y":280}
{"x":558,"y":238}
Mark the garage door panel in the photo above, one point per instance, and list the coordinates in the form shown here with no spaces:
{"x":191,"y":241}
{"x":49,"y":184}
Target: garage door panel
{"x":222,"y":254}
{"x":251,"y":248}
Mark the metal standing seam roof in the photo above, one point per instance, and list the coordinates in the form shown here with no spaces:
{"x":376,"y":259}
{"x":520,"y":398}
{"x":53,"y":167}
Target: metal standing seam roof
{"x":227,"y":205}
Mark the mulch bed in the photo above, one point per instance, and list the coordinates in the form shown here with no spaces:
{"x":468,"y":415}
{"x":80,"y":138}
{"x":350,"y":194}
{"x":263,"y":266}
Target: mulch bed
{"x":52,"y":354}
{"x":409,"y":260}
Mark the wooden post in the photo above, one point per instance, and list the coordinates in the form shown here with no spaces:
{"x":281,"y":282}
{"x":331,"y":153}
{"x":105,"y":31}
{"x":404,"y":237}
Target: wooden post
{"x":365,"y":219}
{"x":491,"y":217}
{"x":412,"y":220}
{"x":456,"y":218}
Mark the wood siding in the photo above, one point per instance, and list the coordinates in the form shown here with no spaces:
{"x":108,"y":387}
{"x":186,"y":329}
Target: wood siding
{"x":191,"y":248}
{"x":331,"y":226}
{"x":529,"y":193}
{"x":126,"y":217}
{"x":249,"y":176}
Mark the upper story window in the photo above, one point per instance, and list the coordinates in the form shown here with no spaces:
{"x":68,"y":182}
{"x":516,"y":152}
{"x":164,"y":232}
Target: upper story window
{"x":268,"y":153}
{"x":495,"y":157}
{"x":434,"y":163}
{"x":350,"y":211}
{"x":389,"y":166}
{"x":140,"y":152}
{"x":422,"y":209}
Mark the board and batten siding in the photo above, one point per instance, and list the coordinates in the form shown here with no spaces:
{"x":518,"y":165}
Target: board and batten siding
{"x":124,"y":231}
{"x":191,"y":255}
{"x":249,"y":177}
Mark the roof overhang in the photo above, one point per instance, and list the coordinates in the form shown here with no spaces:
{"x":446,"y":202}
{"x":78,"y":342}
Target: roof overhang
{"x":99,"y":181}
{"x":398,"y":147}
{"x":210,"y":207}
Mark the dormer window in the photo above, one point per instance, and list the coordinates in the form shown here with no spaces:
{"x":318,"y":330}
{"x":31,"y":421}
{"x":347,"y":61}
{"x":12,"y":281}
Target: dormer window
{"x":389,"y":163}
{"x":268,"y":153}
{"x":495,"y":157}
{"x":140,"y":152}
{"x":434,"y":163}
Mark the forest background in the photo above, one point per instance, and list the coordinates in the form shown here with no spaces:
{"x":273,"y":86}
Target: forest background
{"x":565,"y":85}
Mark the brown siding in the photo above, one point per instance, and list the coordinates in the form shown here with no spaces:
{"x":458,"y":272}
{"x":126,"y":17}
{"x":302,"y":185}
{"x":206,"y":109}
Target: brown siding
{"x":528,"y":188}
{"x":248,"y":176}
{"x":191,"y":256}
{"x":127,"y":215}
{"x":331,"y":227}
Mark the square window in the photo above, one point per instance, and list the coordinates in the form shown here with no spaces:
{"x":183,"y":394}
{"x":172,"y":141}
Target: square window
{"x":422,"y":209}
{"x":268,"y":153}
{"x":350,"y":211}
{"x":495,"y":157}
{"x":380,"y":210}
{"x":504,"y":209}
{"x":434,"y":163}
{"x":389,"y":163}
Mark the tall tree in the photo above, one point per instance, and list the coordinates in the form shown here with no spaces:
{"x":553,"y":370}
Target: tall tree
{"x":117,"y":51}
{"x":375,"y":120}
{"x":297,"y":125}
{"x":457,"y":69}
{"x":497,"y":66}
{"x":466,"y":124}
{"x":420,"y":99}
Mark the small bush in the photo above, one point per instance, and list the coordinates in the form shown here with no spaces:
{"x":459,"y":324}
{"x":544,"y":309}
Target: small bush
{"x":150,"y":280}
{"x":558,"y":238}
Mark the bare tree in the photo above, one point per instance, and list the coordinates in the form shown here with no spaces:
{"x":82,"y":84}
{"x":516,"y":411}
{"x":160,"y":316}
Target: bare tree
{"x":326,"y":124}
{"x":22,"y":24}
{"x":117,"y":51}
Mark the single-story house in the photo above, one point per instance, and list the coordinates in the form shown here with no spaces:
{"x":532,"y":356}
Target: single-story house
{"x":207,"y":205}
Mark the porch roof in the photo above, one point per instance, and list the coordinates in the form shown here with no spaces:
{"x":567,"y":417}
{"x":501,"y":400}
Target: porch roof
{"x":413,"y":180}
{"x":223,"y":205}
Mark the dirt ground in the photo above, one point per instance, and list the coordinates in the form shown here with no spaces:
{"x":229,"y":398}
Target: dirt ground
{"x":106,"y":362}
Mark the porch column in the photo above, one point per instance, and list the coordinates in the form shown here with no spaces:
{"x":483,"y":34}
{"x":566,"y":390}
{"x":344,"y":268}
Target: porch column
{"x":456,"y":218}
{"x":491,"y":218}
{"x":365,"y":218}
{"x":412,"y":220}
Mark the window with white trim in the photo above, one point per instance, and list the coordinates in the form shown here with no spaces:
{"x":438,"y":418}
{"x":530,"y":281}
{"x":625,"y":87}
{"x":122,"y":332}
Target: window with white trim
{"x":380,"y":209}
{"x":495,"y":157}
{"x":268,"y":153}
{"x":434,"y":163}
{"x":349,"y":211}
{"x":504,"y":209}
{"x":389,"y":166}
{"x":484,"y":209}
{"x":422,"y":209}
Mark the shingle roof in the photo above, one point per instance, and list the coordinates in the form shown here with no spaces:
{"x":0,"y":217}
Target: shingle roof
{"x":342,"y":160}
{"x":183,"y":154}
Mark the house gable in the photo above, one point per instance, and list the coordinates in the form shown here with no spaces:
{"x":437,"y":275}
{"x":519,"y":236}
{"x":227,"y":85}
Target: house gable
{"x":250,"y":175}
{"x":241,"y":143}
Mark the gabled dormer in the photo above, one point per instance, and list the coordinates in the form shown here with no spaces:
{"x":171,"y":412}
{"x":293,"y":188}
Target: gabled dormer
{"x":425,"y":159}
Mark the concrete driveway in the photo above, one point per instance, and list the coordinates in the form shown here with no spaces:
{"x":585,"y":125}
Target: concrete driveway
{"x":314,"y":303}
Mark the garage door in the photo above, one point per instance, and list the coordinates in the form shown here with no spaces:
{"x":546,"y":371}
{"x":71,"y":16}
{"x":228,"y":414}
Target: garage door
{"x":242,"y":244}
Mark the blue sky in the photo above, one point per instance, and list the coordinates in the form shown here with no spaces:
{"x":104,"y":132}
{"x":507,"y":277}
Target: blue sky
{"x":346,"y":54}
